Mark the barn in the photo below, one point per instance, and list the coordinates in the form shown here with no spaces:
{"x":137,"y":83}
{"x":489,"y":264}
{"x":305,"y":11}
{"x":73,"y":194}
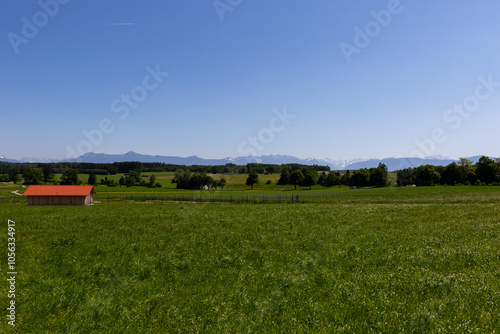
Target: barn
{"x":59,"y":195}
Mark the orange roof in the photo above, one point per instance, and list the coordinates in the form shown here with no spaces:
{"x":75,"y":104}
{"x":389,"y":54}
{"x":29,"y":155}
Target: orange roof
{"x":59,"y":190}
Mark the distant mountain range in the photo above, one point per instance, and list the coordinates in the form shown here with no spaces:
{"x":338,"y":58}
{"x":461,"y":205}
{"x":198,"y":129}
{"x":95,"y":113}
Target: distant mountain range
{"x":391,"y":163}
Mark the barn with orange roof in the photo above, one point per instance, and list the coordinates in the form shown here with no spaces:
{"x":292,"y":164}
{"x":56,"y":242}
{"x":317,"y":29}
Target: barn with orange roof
{"x":59,"y":195}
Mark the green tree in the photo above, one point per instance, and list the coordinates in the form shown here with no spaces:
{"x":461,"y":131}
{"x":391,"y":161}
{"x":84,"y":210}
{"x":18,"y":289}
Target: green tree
{"x":385,"y":169}
{"x":92,"y":179}
{"x":48,"y":174}
{"x":207,"y":180}
{"x":33,"y":176}
{"x":310,"y":178}
{"x":452,"y":174}
{"x":14,"y":175}
{"x":360,"y":178}
{"x":122,"y":181}
{"x":346,"y":178}
{"x":466,"y":168}
{"x":195,"y":182}
{"x":222,"y":183}
{"x":296,"y":178}
{"x":487,"y":170}
{"x":271,"y":169}
{"x":136,"y":176}
{"x":70,"y":177}
{"x":406,"y":177}
{"x":182,"y":178}
{"x":152,"y":181}
{"x":130,"y":181}
{"x":285,"y":176}
{"x":427,"y":175}
{"x":378,"y":177}
{"x":199,"y":180}
{"x":322,"y":179}
{"x":332,"y":180}
{"x":253,"y":178}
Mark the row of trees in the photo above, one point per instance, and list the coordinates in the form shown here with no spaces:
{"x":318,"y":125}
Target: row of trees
{"x":127,"y":166}
{"x":485,"y":171}
{"x":308,"y":178}
{"x":43,"y":176}
{"x":70,"y":177}
{"x":228,"y":168}
{"x":60,"y":167}
{"x":134,"y":178}
{"x":305,"y":178}
{"x":376,"y":177}
{"x":46,"y":176}
{"x":187,"y":180}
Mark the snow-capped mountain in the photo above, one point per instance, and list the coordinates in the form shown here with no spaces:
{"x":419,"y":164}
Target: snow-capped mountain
{"x":275,"y":159}
{"x":5,"y":159}
{"x":36,"y":159}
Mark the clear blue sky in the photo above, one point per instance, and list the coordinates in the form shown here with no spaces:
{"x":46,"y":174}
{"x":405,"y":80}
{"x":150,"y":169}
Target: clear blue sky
{"x":225,"y":77}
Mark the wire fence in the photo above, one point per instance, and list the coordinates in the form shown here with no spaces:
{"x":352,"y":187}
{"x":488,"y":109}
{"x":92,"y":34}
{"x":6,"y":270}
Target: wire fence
{"x":195,"y":198}
{"x":13,"y":199}
{"x":232,"y":199}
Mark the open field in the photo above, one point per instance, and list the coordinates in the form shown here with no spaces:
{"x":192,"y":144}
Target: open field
{"x":235,"y":183}
{"x":370,"y":260}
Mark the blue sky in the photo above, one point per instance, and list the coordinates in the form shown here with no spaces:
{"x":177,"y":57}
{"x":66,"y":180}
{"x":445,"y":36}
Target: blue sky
{"x":234,"y":65}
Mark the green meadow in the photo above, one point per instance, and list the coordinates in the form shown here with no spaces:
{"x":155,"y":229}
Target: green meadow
{"x":390,"y":260}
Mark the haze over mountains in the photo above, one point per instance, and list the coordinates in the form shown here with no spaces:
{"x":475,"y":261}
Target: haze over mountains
{"x":391,"y":163}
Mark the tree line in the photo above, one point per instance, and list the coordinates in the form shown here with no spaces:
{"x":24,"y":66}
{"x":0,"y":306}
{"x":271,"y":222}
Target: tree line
{"x":485,"y":172}
{"x":128,"y":166}
{"x":45,"y":175}
{"x":308,"y":177}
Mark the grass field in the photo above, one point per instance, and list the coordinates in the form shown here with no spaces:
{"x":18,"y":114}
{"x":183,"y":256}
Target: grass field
{"x":235,"y":183}
{"x":376,"y":260}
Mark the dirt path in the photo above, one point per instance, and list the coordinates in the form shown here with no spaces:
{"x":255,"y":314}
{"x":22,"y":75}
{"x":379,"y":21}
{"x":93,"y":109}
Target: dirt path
{"x":16,"y":192}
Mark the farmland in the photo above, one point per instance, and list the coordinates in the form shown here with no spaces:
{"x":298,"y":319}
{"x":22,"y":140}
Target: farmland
{"x":381,"y":260}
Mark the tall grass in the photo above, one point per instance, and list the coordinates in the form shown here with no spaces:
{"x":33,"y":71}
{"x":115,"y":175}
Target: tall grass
{"x":400,"y":260}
